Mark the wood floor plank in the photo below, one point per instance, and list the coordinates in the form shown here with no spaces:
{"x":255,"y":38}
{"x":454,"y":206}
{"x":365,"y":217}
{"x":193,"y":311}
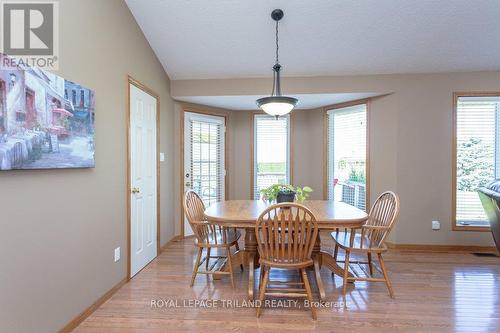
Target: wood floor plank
{"x":434,"y":292}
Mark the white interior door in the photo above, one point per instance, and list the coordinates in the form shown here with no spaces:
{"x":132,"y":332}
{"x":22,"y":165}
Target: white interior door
{"x":143,"y":155}
{"x":204,"y":165}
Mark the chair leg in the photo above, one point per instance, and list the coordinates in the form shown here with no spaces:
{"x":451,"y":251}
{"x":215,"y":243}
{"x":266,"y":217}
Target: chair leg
{"x":346,"y":272}
{"x":230,"y":263}
{"x":262,"y":293}
{"x":370,"y":266}
{"x":386,"y":277}
{"x":237,"y":247}
{"x":196,"y":264}
{"x":336,"y":252}
{"x":208,"y":258}
{"x":309,"y":292}
{"x":319,"y":281}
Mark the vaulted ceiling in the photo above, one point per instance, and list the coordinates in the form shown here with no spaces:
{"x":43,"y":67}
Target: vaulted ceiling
{"x":199,"y":39}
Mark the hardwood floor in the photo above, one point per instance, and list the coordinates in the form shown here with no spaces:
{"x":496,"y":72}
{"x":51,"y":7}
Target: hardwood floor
{"x":434,"y":292}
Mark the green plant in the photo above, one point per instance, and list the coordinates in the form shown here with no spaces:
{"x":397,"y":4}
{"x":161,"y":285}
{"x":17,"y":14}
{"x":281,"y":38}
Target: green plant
{"x":271,"y":193}
{"x":302,"y":194}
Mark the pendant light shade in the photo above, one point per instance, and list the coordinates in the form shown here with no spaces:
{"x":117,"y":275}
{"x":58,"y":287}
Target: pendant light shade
{"x":277,"y":104}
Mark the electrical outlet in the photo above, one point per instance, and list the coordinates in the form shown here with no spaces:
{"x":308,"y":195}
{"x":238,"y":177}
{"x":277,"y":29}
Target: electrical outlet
{"x":436,"y":225}
{"x":117,"y":254}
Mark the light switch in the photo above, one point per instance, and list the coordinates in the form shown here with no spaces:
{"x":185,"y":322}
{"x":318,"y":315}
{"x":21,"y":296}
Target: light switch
{"x":117,"y":254}
{"x":162,"y":157}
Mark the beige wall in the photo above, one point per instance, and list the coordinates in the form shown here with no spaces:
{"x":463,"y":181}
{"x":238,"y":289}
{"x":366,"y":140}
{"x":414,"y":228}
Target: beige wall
{"x":410,"y":141}
{"x":242,"y":152}
{"x":307,"y":150}
{"x":60,"y":227}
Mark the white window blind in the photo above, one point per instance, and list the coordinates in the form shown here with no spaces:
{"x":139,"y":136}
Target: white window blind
{"x":271,"y":152}
{"x":478,"y":154}
{"x":347,"y":129}
{"x":207,"y":159}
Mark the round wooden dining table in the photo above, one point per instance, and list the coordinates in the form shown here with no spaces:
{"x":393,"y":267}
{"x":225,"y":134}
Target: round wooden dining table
{"x":330,"y":215}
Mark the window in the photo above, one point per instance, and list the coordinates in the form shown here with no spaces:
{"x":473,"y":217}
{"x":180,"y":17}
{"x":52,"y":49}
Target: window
{"x":82,"y":98}
{"x":477,"y":154}
{"x":271,"y":152}
{"x":347,"y":155}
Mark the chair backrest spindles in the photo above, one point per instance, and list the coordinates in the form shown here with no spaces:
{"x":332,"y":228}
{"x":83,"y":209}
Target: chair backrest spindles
{"x":383,"y":215}
{"x":195,"y":213}
{"x":286,"y":233}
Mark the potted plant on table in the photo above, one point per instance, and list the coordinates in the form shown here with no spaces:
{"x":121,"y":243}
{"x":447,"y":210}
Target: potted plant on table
{"x":286,"y":193}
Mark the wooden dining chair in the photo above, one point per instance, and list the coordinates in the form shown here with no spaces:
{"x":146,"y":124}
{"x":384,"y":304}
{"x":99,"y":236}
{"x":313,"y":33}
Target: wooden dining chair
{"x":285,"y":235}
{"x":209,"y":236}
{"x":370,"y":240}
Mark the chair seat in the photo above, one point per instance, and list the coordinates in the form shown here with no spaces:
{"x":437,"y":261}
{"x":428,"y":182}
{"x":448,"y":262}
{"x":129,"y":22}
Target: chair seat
{"x":216,"y":239}
{"x":287,"y":264}
{"x":361,"y":244}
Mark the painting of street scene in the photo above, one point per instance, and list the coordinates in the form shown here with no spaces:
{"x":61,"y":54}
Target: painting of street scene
{"x":46,"y":122}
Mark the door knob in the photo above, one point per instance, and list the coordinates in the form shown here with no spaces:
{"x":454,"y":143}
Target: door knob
{"x":135,"y":190}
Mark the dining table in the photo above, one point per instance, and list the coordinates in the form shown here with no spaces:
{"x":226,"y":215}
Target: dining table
{"x":243,"y":214}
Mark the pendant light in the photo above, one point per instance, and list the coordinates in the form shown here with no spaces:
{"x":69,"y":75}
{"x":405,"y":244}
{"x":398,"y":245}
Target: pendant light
{"x":277,"y":104}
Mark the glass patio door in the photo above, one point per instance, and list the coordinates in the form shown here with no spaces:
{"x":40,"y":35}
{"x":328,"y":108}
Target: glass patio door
{"x":204,"y":162}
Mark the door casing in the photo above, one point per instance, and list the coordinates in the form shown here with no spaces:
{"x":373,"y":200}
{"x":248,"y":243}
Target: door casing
{"x":141,"y":86}
{"x":185,"y":109}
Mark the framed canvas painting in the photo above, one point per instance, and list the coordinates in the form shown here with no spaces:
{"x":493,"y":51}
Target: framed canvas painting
{"x":46,"y":122}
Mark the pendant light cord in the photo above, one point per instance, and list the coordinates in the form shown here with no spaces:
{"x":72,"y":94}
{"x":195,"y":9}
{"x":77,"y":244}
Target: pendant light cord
{"x":277,"y":43}
{"x":273,"y":93}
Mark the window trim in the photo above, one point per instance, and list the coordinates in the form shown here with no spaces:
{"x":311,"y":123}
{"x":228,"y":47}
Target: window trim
{"x":367,"y":102}
{"x":252,"y":149}
{"x":456,"y":96}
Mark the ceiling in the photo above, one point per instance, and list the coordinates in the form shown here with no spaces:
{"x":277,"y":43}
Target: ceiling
{"x":247,"y":102}
{"x":200,"y":39}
